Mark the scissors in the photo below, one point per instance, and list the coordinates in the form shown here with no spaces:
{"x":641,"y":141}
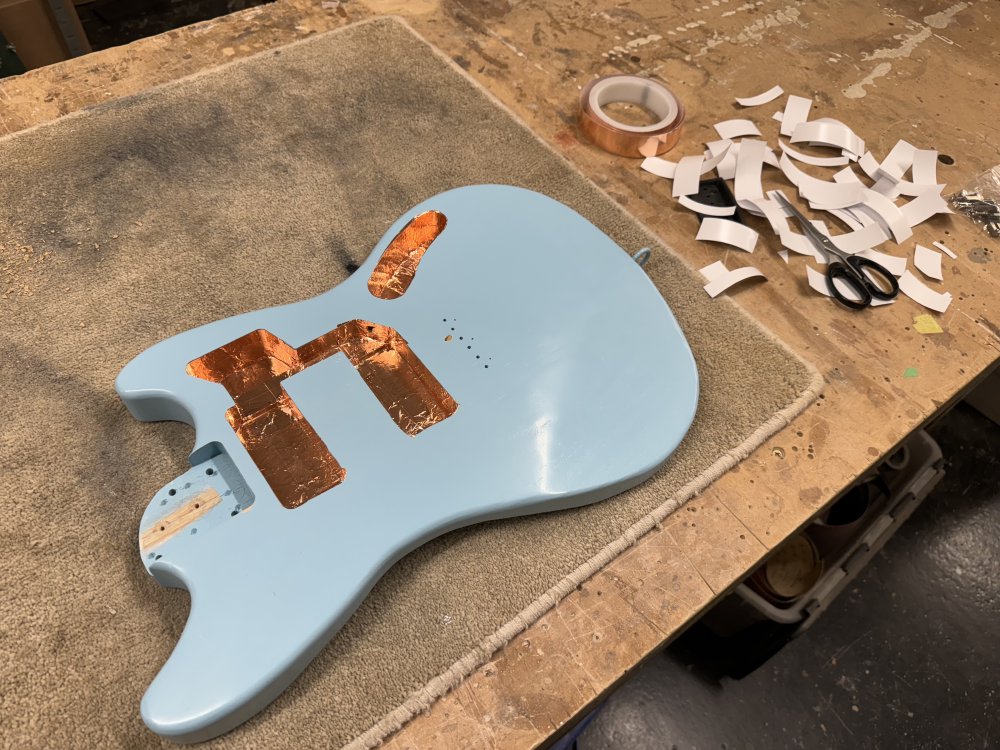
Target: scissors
{"x":864,"y":276}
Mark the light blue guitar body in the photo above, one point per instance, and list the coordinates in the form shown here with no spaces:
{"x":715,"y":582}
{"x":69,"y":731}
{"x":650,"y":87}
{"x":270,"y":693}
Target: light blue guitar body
{"x":569,"y":382}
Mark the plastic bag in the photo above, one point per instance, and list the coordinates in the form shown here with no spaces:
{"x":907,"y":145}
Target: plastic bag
{"x":980,"y":201}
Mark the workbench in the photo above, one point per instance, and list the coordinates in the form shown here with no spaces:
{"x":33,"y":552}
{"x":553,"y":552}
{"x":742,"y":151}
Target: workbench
{"x":928,"y":73}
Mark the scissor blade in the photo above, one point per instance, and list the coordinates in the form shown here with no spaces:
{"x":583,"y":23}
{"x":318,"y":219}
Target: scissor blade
{"x":819,"y":239}
{"x":802,"y":220}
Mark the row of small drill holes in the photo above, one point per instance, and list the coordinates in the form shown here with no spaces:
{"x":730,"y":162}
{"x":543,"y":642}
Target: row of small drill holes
{"x":462,"y":338}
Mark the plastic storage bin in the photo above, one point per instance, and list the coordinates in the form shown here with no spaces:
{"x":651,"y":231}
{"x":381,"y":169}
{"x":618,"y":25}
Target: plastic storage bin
{"x":907,"y":477}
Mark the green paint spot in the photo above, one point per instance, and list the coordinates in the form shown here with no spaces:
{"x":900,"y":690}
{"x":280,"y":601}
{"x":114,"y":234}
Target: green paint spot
{"x":910,"y":372}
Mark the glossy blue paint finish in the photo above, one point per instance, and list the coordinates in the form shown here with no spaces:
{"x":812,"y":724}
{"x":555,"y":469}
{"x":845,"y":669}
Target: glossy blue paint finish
{"x":583,"y":386}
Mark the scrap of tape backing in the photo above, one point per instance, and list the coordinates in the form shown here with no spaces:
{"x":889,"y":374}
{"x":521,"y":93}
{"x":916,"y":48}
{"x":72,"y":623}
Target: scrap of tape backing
{"x":631,"y":140}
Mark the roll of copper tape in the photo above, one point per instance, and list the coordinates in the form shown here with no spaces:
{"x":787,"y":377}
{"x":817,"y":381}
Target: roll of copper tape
{"x":631,"y":140}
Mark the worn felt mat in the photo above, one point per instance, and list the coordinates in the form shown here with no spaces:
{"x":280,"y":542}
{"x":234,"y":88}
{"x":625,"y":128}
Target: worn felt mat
{"x":256,"y":184}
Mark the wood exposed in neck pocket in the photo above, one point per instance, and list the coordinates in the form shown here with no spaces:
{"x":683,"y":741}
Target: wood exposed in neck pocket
{"x":179,"y":519}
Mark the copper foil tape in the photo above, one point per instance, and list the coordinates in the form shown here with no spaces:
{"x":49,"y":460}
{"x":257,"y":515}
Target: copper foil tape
{"x":289,"y":453}
{"x":631,"y":140}
{"x":395,"y":270}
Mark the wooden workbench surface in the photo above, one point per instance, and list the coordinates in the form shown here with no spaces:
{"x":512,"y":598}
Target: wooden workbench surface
{"x":928,"y":73}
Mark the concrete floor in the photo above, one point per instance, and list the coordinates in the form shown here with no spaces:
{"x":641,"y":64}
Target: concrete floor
{"x":907,"y":657}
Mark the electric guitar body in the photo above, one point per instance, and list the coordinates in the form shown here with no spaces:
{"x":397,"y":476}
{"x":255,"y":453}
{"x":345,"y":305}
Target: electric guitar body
{"x":496,"y":355}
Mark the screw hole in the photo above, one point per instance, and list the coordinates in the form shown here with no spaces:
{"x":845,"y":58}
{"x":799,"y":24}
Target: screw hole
{"x":945,"y":159}
{"x":197,"y":505}
{"x":172,"y":493}
{"x":163,"y":528}
{"x":235,"y":513}
{"x":210,"y":472}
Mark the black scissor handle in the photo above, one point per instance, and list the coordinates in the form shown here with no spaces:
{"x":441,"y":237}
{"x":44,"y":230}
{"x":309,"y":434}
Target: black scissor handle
{"x":882,"y":278}
{"x":854,"y":279}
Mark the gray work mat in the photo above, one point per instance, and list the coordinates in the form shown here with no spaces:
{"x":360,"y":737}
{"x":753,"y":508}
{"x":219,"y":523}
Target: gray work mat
{"x":248,"y":186}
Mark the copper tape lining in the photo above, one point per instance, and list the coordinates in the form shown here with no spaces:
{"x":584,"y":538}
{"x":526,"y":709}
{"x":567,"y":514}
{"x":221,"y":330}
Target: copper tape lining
{"x":398,"y":265}
{"x":289,"y":453}
{"x":287,"y":450}
{"x":631,"y":140}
